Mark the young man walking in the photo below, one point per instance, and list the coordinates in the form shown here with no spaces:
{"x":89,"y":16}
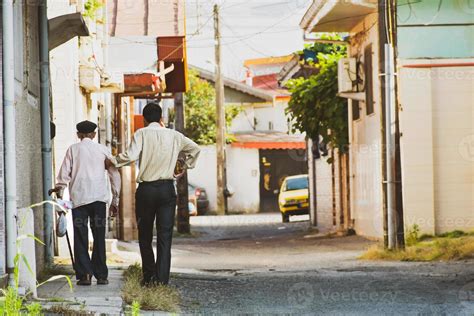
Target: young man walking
{"x":157,"y":149}
{"x":84,"y":171}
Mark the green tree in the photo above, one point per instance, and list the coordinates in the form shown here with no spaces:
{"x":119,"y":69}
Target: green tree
{"x":314,"y":105}
{"x":200,"y":111}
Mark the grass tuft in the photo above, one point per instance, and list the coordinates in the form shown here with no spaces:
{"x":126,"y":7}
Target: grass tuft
{"x":67,"y":310}
{"x":157,"y":298}
{"x":447,"y":248}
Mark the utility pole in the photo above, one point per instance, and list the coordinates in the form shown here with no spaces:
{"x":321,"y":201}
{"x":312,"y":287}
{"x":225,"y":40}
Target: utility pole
{"x":46,"y":146}
{"x":393,"y":183}
{"x":182,"y":183}
{"x":220,"y":133}
{"x":390,"y":145}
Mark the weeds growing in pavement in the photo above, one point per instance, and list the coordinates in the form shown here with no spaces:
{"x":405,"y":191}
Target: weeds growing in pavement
{"x":67,"y":310}
{"x":160,"y":298}
{"x":136,"y":308}
{"x":447,"y":247}
{"x":34,"y":309}
{"x":11,"y":301}
{"x":412,"y":235}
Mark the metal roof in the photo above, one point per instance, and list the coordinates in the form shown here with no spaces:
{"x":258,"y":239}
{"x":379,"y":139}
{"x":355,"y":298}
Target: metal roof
{"x":236,"y":85}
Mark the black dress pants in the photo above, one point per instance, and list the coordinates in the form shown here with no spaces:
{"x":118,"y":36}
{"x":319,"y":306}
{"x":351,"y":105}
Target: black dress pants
{"x":96,"y":214}
{"x":156,"y":203}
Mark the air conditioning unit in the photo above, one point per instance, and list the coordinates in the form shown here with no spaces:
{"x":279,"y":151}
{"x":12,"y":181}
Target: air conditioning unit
{"x":347,"y":75}
{"x":112,"y":82}
{"x":89,"y":78}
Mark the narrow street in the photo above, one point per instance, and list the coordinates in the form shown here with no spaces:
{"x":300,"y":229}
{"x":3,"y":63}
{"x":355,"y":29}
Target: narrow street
{"x":254,"y":264}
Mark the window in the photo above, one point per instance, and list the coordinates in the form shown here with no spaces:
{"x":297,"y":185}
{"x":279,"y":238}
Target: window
{"x":294,"y":184}
{"x":355,"y":110}
{"x":369,"y":93}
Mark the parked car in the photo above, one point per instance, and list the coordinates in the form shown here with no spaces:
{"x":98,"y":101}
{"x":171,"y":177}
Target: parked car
{"x":198,"y":197}
{"x":293,"y":197}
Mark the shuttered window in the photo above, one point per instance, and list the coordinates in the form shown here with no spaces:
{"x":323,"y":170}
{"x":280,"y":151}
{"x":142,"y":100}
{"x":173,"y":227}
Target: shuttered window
{"x":355,"y":110}
{"x":369,"y":82}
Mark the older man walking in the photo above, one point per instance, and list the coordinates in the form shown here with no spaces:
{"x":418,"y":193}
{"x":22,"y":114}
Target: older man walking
{"x":157,"y":149}
{"x":84,"y":171}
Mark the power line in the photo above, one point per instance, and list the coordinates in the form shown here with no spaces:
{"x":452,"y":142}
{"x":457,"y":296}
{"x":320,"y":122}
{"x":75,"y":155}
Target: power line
{"x":244,"y":42}
{"x":245,"y":37}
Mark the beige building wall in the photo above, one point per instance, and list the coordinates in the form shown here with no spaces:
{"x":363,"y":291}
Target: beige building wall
{"x":437,"y":124}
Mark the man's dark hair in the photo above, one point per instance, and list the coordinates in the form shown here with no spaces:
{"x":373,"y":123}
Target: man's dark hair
{"x":152,"y":112}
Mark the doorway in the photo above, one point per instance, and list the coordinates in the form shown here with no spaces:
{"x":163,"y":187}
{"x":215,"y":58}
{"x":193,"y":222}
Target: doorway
{"x":275,"y":166}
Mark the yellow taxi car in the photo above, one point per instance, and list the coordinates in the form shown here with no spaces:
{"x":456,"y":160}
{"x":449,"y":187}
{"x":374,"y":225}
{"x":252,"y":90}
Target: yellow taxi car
{"x":293,"y":198}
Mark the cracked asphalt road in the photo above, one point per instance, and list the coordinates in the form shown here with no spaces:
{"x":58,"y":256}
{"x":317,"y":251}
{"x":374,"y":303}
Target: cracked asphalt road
{"x":255,"y":265}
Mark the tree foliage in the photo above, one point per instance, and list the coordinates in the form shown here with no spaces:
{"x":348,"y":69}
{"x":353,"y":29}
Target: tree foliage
{"x":200,"y":111}
{"x":314,"y":105}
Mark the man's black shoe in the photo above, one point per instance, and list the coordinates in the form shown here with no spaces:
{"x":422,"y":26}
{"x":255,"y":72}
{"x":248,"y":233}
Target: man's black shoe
{"x":85,"y":280}
{"x":102,"y":281}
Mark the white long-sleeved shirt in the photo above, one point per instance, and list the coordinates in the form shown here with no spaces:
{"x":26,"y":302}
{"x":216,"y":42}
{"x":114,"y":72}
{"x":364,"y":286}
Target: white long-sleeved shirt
{"x":158,"y":149}
{"x":84,"y":171}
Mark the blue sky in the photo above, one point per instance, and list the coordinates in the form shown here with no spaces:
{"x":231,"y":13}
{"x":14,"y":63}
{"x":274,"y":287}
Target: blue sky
{"x":250,"y":29}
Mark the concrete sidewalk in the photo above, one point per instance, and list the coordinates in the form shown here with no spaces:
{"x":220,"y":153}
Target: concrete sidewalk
{"x":94,"y":299}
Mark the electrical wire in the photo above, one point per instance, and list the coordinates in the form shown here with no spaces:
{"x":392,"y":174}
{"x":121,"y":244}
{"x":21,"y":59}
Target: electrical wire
{"x":244,"y":41}
{"x":250,"y":35}
{"x":440,"y":4}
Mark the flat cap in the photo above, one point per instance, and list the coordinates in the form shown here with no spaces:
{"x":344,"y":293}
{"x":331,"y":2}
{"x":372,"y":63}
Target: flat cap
{"x":86,"y":127}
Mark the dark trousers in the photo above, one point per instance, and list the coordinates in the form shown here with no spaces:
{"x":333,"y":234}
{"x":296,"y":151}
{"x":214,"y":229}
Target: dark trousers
{"x":96,"y":214}
{"x":156,"y":202}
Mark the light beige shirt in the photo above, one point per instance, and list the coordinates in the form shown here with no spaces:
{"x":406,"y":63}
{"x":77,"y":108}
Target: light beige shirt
{"x":158,"y":149}
{"x":84,"y":170}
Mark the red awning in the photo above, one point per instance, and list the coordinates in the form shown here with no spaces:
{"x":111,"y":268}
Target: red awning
{"x":140,"y":83}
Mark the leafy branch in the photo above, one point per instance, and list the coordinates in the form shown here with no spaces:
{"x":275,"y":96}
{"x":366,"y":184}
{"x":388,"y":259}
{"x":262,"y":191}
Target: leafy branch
{"x":315,"y":106}
{"x":200,"y":111}
{"x":91,"y":7}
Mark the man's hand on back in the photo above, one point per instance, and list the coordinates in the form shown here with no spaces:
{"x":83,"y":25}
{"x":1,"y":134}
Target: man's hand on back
{"x":108,"y":164}
{"x":113,"y":210}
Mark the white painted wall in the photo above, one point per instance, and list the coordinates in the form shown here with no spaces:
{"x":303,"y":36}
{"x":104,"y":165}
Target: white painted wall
{"x":134,"y":54}
{"x":69,"y":103}
{"x":324,"y":194}
{"x":366,"y":153}
{"x":264,"y":114}
{"x":242,"y":176}
{"x":205,"y":174}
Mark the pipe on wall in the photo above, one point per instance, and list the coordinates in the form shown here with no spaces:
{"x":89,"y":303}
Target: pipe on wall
{"x":9,"y":133}
{"x":46,"y":148}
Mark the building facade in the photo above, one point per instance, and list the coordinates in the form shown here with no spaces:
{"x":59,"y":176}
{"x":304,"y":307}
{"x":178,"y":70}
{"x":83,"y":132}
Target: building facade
{"x":435,"y":105}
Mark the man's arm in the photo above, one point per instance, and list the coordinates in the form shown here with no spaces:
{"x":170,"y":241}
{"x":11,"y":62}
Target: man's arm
{"x":64,"y":175}
{"x":131,"y":154}
{"x":191,"y":151}
{"x":115,"y":183}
